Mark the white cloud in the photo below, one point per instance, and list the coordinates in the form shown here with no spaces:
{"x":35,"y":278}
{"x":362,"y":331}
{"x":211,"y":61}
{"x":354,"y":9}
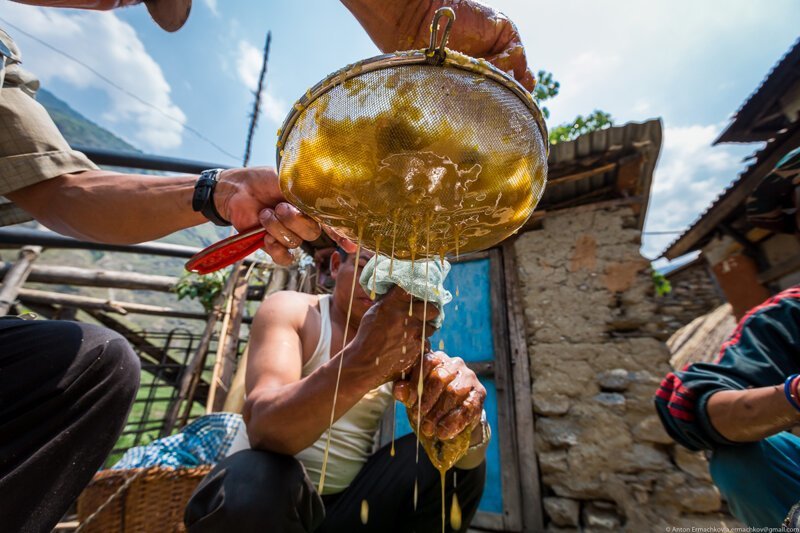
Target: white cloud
{"x":248,"y":67}
{"x":213,"y":7}
{"x":274,"y":108}
{"x":689,"y":176}
{"x":111,"y":47}
{"x":582,"y":74}
{"x":248,"y":64}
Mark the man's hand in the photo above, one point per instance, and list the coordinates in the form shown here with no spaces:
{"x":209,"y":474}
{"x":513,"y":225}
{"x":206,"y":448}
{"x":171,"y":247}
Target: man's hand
{"x":388,"y":342}
{"x":250,"y":197}
{"x":479,"y":31}
{"x":452,"y":396}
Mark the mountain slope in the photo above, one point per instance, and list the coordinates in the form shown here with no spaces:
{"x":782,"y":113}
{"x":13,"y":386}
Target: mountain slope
{"x":77,"y":129}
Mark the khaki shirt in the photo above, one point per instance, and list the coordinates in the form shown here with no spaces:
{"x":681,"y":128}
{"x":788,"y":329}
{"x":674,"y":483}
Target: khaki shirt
{"x":31,"y":147}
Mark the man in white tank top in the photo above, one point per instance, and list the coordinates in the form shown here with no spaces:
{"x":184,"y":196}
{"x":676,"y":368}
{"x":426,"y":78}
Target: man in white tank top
{"x":296,"y":346}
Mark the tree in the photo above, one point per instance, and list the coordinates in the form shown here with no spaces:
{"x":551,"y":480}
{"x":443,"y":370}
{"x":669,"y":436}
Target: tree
{"x":547,"y":88}
{"x":597,"y":120}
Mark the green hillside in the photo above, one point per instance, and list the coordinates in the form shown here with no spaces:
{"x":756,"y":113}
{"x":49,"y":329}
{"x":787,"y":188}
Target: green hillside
{"x":77,"y":129}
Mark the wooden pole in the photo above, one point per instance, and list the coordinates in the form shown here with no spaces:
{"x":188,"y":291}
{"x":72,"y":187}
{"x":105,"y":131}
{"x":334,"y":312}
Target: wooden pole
{"x":223,"y":300}
{"x":112,"y":279}
{"x":15,"y":277}
{"x":67,"y":275}
{"x":192,"y":373}
{"x":226,"y":317}
{"x":228,"y":346}
{"x":110,"y":306}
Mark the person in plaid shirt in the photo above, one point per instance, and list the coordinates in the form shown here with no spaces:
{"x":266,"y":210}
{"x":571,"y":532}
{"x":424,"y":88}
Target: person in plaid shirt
{"x":741,"y":406}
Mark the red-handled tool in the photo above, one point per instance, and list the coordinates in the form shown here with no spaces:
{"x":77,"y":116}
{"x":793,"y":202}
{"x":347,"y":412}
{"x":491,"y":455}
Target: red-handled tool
{"x":226,"y":252}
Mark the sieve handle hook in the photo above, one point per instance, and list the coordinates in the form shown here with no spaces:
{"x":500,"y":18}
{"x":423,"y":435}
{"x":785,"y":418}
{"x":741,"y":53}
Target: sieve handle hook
{"x":436,"y":52}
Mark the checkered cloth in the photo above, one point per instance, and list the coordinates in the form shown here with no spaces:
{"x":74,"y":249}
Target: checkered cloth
{"x":205,"y":441}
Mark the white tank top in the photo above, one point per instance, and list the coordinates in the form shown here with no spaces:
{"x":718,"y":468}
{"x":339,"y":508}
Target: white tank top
{"x":353,"y":434}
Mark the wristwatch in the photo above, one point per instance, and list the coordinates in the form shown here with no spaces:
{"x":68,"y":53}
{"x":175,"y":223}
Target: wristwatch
{"x":203,"y":198}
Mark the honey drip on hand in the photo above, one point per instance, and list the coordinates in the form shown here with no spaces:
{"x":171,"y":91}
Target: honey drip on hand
{"x":444,"y":519}
{"x":394,"y":238}
{"x":341,"y":358}
{"x":375,"y":269}
{"x":444,"y":455}
{"x":411,"y":303}
{"x":394,"y":425}
{"x":422,"y":346}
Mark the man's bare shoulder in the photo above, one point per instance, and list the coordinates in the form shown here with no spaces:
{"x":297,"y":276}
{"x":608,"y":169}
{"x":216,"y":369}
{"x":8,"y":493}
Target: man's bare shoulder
{"x":288,"y":306}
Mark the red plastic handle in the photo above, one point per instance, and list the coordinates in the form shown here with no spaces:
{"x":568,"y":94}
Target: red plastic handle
{"x":226,"y":252}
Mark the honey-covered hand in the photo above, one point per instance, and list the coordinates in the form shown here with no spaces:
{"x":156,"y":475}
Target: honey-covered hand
{"x":452,"y":396}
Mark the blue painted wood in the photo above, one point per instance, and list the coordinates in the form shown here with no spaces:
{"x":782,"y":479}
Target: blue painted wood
{"x":492,"y":500}
{"x":467,"y":333}
{"x":467,"y":328}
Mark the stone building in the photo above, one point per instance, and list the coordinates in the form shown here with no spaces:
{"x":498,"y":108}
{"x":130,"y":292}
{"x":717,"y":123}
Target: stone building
{"x":595,"y":347}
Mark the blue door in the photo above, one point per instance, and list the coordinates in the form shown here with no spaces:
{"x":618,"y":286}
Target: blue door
{"x":468,"y":333}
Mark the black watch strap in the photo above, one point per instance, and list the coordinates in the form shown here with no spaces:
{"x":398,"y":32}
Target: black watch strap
{"x":203,"y":198}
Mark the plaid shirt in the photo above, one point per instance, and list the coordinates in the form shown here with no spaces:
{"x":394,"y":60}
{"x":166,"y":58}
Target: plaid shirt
{"x":31,"y":147}
{"x":761,"y":352}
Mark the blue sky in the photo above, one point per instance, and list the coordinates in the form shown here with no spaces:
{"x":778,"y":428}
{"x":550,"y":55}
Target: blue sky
{"x":691,"y":63}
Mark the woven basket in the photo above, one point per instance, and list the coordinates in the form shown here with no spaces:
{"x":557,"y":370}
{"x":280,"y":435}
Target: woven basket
{"x":152,"y":503}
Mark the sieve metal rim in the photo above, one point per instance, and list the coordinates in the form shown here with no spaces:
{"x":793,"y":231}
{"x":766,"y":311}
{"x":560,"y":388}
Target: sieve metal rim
{"x":442,"y":57}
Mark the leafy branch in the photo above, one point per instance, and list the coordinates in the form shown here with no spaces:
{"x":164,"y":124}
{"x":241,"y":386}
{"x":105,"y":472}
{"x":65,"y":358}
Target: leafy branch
{"x":547,"y":88}
{"x":202,"y":288}
{"x":661,"y":284}
{"x":570,"y":131}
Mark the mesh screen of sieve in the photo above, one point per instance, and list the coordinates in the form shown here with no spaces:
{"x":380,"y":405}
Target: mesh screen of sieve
{"x":435,"y":158}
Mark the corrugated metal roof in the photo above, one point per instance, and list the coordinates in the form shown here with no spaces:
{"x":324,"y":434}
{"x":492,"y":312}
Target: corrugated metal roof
{"x":783,"y":74}
{"x":592,"y":151}
{"x":628,"y":136}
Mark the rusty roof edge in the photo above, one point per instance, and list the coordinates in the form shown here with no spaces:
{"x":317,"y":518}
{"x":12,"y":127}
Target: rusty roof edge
{"x":773,"y":77}
{"x":765,"y":160}
{"x":656,"y":136}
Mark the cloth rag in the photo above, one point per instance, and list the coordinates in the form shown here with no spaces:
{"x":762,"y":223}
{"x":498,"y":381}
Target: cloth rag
{"x":411,"y":277}
{"x":203,"y":442}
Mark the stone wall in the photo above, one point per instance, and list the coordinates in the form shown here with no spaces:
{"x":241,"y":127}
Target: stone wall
{"x":593,"y":330}
{"x":693,"y":294}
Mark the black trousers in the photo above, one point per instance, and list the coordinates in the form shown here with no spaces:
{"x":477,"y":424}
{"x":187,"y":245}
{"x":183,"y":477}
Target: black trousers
{"x":65,"y":392}
{"x":257,"y":491}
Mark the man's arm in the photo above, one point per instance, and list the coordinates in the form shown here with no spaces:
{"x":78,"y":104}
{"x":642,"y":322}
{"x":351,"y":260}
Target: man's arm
{"x":479,"y":31}
{"x":740,"y":398}
{"x":106,"y":206}
{"x":285,"y":413}
{"x":751,"y":415}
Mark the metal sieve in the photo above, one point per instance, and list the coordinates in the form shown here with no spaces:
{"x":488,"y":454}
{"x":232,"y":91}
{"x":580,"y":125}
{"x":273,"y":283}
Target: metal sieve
{"x":414,"y":153}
